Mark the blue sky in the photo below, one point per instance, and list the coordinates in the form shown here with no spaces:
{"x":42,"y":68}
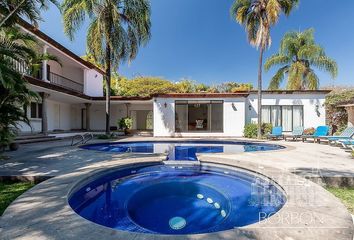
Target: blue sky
{"x":197,"y":39}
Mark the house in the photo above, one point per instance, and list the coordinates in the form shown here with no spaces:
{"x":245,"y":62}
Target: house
{"x":72,"y":99}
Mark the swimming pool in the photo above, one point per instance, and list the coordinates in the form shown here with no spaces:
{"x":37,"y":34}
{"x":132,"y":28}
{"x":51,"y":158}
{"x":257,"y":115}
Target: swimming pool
{"x":177,"y":199}
{"x":182,"y":150}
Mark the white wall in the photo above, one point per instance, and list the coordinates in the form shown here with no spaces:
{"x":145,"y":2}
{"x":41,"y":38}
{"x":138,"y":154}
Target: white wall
{"x":312,"y":118}
{"x":59,"y":117}
{"x":93,"y":83}
{"x":164,"y":118}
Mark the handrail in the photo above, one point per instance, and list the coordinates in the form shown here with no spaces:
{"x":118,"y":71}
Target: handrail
{"x":65,"y":82}
{"x":84,"y":138}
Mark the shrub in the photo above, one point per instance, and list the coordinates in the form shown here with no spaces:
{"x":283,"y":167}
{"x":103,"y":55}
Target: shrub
{"x":266,"y":128}
{"x":352,"y":154}
{"x":340,"y":129}
{"x":125,"y":123}
{"x":309,"y":131}
{"x":250,"y":130}
{"x":103,"y":136}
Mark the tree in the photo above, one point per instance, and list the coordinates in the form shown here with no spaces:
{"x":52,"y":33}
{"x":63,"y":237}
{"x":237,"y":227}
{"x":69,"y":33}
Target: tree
{"x":145,"y":86}
{"x":117,"y":29}
{"x":16,"y":49}
{"x":297,"y":57}
{"x":13,"y":10}
{"x":258,"y":16}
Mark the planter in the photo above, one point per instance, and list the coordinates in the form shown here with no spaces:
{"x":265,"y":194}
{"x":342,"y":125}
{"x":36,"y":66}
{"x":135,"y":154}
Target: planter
{"x":14,"y":146}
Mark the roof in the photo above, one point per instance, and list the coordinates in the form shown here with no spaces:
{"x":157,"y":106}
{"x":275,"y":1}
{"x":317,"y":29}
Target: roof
{"x":202,"y":95}
{"x":57,"y":45}
{"x":321,"y":91}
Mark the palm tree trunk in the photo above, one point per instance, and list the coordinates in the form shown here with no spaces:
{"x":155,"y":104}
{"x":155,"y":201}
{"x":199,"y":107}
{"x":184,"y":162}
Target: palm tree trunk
{"x":259,"y":132}
{"x":108,"y":88}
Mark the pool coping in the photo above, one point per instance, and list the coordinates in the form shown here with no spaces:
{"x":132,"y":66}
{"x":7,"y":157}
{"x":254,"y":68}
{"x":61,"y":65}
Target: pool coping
{"x":43,"y":212}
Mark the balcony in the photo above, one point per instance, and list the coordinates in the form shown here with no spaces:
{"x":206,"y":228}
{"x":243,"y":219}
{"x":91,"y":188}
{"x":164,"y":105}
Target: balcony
{"x":65,"y":82}
{"x":53,"y":78}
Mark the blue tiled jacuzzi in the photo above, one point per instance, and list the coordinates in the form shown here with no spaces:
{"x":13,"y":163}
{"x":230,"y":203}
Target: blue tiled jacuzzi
{"x":176,"y":199}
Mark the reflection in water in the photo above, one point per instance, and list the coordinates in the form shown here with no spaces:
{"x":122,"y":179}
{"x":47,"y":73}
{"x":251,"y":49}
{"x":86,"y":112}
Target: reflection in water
{"x":177,"y":150}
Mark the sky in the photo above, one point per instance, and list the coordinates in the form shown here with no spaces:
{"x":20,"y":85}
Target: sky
{"x":198,"y":40}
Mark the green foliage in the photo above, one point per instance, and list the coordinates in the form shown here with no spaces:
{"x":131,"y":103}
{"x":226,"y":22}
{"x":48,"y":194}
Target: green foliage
{"x":145,"y":86}
{"x":125,"y":123}
{"x":258,"y":16}
{"x":9,"y":191}
{"x":337,"y":116}
{"x":27,"y":9}
{"x":103,"y":136}
{"x":309,"y":131}
{"x":297,"y":57}
{"x":339,"y":130}
{"x":15,"y":46}
{"x":250,"y":130}
{"x":346,"y":195}
{"x":266,"y":128}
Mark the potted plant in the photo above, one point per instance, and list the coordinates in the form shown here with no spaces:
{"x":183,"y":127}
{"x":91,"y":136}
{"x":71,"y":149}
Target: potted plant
{"x":125,"y":124}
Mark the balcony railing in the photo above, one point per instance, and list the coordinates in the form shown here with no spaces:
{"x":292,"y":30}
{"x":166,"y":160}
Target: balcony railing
{"x":65,"y":83}
{"x":52,"y":77}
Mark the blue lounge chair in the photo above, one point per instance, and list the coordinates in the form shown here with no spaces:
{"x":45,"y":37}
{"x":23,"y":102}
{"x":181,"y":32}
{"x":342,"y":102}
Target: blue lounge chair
{"x":277,"y":132}
{"x":297,"y":133}
{"x":347,"y":134}
{"x":349,"y":143}
{"x":321,"y":131}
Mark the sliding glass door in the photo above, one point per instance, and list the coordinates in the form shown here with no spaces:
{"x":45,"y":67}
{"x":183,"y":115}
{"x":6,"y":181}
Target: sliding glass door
{"x":199,"y":116}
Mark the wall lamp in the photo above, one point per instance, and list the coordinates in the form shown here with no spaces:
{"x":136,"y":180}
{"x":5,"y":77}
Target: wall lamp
{"x":234,"y":107}
{"x":250,"y":107}
{"x":165,"y":105}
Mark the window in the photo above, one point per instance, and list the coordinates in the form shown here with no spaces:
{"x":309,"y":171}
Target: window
{"x":286,"y":116}
{"x":199,"y":116}
{"x":36,"y":110}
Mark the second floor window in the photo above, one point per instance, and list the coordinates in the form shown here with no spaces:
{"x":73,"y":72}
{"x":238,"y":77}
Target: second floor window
{"x":36,"y":110}
{"x":287,"y":117}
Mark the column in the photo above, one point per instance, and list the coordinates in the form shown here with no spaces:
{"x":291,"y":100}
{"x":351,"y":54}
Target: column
{"x":88,"y":114}
{"x":44,"y":65}
{"x":44,"y":97}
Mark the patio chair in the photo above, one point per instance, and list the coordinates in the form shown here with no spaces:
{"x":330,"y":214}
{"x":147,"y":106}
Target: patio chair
{"x":320,"y":131}
{"x":297,"y":133}
{"x":348,"y":143}
{"x":277,"y":132}
{"x":347,"y":134}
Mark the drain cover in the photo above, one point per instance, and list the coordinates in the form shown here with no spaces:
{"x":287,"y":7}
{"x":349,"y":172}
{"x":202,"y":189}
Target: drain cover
{"x":177,"y":223}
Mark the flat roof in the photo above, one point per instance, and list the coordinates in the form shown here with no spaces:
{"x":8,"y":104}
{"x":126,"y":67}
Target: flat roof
{"x":202,"y":95}
{"x":57,"y":45}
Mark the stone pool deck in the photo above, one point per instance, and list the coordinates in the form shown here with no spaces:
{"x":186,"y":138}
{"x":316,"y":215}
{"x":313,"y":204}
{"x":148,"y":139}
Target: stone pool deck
{"x":310,"y":212}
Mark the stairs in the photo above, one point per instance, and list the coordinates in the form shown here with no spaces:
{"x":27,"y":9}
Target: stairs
{"x":36,"y":138}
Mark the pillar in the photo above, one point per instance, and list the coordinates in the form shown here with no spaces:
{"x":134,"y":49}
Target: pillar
{"x":44,"y":65}
{"x":44,"y":97}
{"x":88,"y":114}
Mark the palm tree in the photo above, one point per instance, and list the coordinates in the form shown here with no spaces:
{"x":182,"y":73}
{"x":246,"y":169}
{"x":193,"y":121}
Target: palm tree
{"x":297,"y":57}
{"x":258,"y":16}
{"x":16,"y":48}
{"x":13,"y":10}
{"x":117,"y":29}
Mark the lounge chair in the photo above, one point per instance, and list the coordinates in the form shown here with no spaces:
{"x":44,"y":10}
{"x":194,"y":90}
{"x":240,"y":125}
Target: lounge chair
{"x":320,"y":131}
{"x":277,"y":132}
{"x":297,"y":133}
{"x":347,"y":134}
{"x":349,"y":143}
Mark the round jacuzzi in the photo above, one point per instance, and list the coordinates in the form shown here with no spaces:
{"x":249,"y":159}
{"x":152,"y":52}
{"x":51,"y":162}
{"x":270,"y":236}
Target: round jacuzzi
{"x":176,"y":199}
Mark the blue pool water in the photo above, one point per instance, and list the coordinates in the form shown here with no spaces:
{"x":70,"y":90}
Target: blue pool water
{"x":182,"y":150}
{"x":177,"y":199}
